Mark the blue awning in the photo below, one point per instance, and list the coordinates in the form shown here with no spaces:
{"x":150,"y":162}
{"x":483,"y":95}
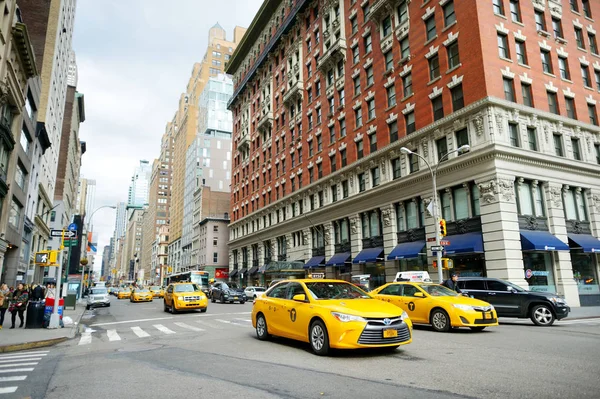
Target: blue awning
{"x":541,"y":241}
{"x":338,"y":259}
{"x":369,"y":255}
{"x":407,"y":250}
{"x":464,"y":243}
{"x":588,"y":242}
{"x":315,"y":261}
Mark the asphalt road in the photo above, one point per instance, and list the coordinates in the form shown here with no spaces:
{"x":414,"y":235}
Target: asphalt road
{"x":139,"y":351}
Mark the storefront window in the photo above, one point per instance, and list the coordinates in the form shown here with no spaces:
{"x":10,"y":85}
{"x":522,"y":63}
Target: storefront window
{"x":376,"y":272}
{"x":412,"y":221}
{"x":475,"y":199}
{"x":400,"y":217}
{"x":446,"y":206}
{"x":413,"y":264}
{"x":525,"y":200}
{"x":538,"y":271}
{"x":461,"y":203}
{"x":584,"y":272}
{"x":468,"y":265}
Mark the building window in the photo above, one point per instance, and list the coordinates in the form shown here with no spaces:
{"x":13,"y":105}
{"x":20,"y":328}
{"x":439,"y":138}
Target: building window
{"x":576,"y":149}
{"x":521,"y":52}
{"x":527,"y":95}
{"x":579,"y":38}
{"x":530,"y":200}
{"x":575,"y":208}
{"x":334,"y":193}
{"x":441,"y":146}
{"x":371,"y":224}
{"x":343,"y":156}
{"x":21,"y":176}
{"x":597,"y":77}
{"x":368,"y":44}
{"x":557,"y":28}
{"x":332,"y":163}
{"x":355,"y":55}
{"x":413,"y":161}
{"x":362,"y":184}
{"x":574,"y":6}
{"x":438,"y":108}
{"x":453,"y":57}
{"x":407,"y":85}
{"x":354,"y":23}
{"x":359,"y":149}
{"x":319,"y":143}
{"x":570,"y":108}
{"x":404,"y":48}
{"x":393,"y":130}
{"x":434,"y":67}
{"x":372,"y":143}
{"x":503,"y":50}
{"x":515,"y":12}
{"x":386,"y":24}
{"x":498,"y":7}
{"x":358,"y":117}
{"x":585,"y":74}
{"x":597,"y":148}
{"x":389,"y":61}
{"x":593,"y":43}
{"x":391,"y":96}
{"x":532,"y":138}
{"x":462,"y":138}
{"x":14,"y":218}
{"x":540,"y":21}
{"x":546,"y":61}
{"x":370,"y":76}
{"x":430,"y":27}
{"x":371,"y":109}
{"x":513,"y":130}
{"x":331,"y":134}
{"x":357,"y":85}
{"x":345,"y":189}
{"x":592,"y":114}
{"x":409,"y":120}
{"x":449,"y":15}
{"x":24,"y":140}
{"x":375,"y":176}
{"x":509,"y":89}
{"x":397,"y":168}
{"x":563,"y":66}
{"x":558,"y":145}
{"x":343,"y":128}
{"x":403,"y":11}
{"x":587,"y":11}
{"x":553,"y":103}
{"x":320,"y":171}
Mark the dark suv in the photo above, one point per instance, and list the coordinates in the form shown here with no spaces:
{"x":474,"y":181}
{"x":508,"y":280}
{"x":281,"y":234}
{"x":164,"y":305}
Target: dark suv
{"x":513,"y":301}
{"x":227,"y":292}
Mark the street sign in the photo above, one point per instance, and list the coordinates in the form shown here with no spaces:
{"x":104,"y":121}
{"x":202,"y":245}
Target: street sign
{"x":437,"y":248}
{"x":72,"y":227}
{"x":432,"y":239}
{"x":445,"y":242}
{"x":59,"y":233}
{"x":70,"y":243}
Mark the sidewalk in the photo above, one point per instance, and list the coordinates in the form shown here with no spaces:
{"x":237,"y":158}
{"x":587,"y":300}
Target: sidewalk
{"x":22,"y":338}
{"x":584,"y":312}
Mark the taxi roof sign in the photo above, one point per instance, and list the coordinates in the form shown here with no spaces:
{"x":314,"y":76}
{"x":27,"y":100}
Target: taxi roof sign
{"x":413,"y":277}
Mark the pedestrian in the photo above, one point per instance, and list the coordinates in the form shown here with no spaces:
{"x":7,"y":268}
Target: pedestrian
{"x":50,"y":290}
{"x":4,"y":299}
{"x":18,"y":304}
{"x":37,"y":293}
{"x":452,"y":283}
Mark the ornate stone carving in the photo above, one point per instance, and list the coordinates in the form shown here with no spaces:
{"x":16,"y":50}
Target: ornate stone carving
{"x":3,"y":93}
{"x":386,"y":214}
{"x":493,"y":190}
{"x":354,"y":222}
{"x":327,"y":234}
{"x":500,"y":123}
{"x":547,"y":133}
{"x":478,"y":122}
{"x":425,"y":145}
{"x":304,"y":236}
{"x":555,"y":196}
{"x":596,"y":201}
{"x":531,"y":223}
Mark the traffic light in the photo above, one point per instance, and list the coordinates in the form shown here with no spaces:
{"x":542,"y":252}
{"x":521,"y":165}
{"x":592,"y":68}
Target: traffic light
{"x":446,"y":264}
{"x":442,"y":227}
{"x":42,"y":258}
{"x":53,"y":257}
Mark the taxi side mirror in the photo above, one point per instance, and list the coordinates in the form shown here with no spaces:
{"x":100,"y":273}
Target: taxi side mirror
{"x":419,"y":295}
{"x":300,"y":298}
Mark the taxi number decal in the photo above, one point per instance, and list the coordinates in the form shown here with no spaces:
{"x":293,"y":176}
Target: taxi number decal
{"x":293,"y":315}
{"x":411,"y":306}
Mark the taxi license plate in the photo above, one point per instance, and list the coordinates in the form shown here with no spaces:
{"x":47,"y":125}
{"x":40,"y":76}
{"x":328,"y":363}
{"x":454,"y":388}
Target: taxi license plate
{"x":390,"y":333}
{"x":487,"y":316}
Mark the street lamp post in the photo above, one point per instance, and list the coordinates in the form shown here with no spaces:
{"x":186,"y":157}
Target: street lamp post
{"x":460,"y":150}
{"x":89,"y":223}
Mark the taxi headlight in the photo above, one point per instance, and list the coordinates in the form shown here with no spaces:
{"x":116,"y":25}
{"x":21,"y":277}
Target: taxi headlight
{"x":202,"y":297}
{"x":462,"y":307}
{"x":404,"y":316}
{"x":346,"y":317}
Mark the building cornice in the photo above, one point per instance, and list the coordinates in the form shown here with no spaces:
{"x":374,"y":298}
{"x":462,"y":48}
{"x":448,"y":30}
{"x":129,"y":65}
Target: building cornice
{"x":24,"y":49}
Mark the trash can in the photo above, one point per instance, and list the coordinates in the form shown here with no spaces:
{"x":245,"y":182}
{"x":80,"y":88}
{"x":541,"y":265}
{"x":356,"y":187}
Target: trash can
{"x":71,"y":299}
{"x":35,"y":314}
{"x":50,"y":307}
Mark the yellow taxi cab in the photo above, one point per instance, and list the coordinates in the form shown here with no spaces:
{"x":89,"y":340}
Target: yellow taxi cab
{"x":141,"y":295}
{"x":434,"y":304}
{"x":157,"y":291}
{"x":329,"y":314}
{"x":124,"y":293}
{"x":184,"y":296}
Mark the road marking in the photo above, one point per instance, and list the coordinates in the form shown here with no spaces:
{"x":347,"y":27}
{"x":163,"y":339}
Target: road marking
{"x":220,"y":314}
{"x":29,"y":359}
{"x":207,"y":324}
{"x":183,"y":325}
{"x":139,"y":332}
{"x":164,"y":329}
{"x":8,"y":390}
{"x":86,"y":338}
{"x":20,"y":356}
{"x":112,"y":335}
{"x":13,"y":378}
{"x":26,"y":353}
{"x":18,"y":364}
{"x":17,"y":370}
{"x":223,"y":321}
{"x":130,"y":321}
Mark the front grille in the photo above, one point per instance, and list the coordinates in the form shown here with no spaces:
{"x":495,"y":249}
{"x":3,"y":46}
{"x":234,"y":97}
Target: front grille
{"x":373,"y":334}
{"x":191,"y":298}
{"x":485,"y":321}
{"x":381,"y":322}
{"x":482,"y":308}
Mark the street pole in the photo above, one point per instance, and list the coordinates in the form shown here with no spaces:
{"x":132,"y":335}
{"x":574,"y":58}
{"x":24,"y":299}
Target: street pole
{"x":55,"y":317}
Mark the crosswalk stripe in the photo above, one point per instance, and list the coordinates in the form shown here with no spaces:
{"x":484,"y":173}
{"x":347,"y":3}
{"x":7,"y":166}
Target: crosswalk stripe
{"x":208,"y":324}
{"x":183,"y":325}
{"x":8,"y":390}
{"x":139,"y":332}
{"x":86,"y":338}
{"x":25,"y":353}
{"x":223,"y":321}
{"x":18,"y":364}
{"x":17,"y":370}
{"x":13,"y":378}
{"x":29,"y":359}
{"x":112,"y":335}
{"x":163,"y":329}
{"x":20,"y":356}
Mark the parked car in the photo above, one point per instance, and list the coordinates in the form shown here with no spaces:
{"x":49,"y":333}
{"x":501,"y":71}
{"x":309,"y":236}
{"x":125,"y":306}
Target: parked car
{"x":254,"y":292}
{"x":227,"y":292}
{"x":510,"y":300}
{"x":98,"y":297}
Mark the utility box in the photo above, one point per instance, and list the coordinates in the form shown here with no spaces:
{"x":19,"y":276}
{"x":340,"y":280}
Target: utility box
{"x":71,"y":299}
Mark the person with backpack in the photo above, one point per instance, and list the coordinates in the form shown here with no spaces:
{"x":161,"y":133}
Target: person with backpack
{"x":18,"y":304}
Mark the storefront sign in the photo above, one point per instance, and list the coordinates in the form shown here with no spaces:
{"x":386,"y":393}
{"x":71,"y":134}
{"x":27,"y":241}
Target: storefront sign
{"x":222,"y":273}
{"x":528,"y":273}
{"x":542,"y":273}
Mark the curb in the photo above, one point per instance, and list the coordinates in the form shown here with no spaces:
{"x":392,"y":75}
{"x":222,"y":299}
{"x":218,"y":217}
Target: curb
{"x":76,"y":327}
{"x":581,"y":318}
{"x":32,"y":345}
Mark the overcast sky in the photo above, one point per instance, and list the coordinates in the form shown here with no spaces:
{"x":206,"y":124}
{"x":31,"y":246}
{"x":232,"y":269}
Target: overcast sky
{"x":134,"y":60}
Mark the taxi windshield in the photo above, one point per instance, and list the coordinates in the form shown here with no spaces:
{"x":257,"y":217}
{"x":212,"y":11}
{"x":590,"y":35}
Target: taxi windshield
{"x":155,"y":288}
{"x":322,"y":290}
{"x":438,"y":290}
{"x":142,"y":290}
{"x":186,"y":288}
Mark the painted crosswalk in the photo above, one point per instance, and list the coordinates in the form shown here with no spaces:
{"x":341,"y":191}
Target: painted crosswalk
{"x":121,"y":332}
{"x":15,"y":368}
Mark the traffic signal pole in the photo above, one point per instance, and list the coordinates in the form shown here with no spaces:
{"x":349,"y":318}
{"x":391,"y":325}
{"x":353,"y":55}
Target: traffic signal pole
{"x":55,"y":317}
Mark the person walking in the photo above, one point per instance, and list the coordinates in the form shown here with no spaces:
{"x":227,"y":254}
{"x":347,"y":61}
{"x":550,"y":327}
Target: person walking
{"x":4,"y":299}
{"x":452,"y":283}
{"x":37,"y":294}
{"x":19,"y":304}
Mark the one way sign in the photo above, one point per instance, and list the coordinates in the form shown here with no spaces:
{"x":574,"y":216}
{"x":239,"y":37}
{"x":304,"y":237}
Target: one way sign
{"x":59,"y":233}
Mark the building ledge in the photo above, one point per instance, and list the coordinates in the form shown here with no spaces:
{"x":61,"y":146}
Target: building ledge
{"x":6,"y":135}
{"x":23,"y":45}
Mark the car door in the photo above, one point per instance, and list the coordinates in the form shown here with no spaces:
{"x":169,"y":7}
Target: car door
{"x":506,"y":302}
{"x":474,"y":288}
{"x":274,"y":308}
{"x":295,"y":315}
{"x":169,"y":296}
{"x":392,"y":294}
{"x":217,"y":289}
{"x":417,"y":307}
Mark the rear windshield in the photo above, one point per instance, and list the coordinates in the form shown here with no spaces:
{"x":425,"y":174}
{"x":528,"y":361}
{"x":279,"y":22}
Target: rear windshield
{"x":259,"y":289}
{"x":99,"y":291}
{"x":186,"y":288}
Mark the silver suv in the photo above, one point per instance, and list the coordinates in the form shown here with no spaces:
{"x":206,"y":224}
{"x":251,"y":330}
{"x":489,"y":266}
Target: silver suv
{"x":97,"y":297}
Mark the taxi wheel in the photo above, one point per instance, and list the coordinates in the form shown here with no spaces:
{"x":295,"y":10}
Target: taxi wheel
{"x":173,"y":309}
{"x":262,"y":332}
{"x":203,"y":310}
{"x":541,"y":315}
{"x":319,"y":339}
{"x":477,"y":328}
{"x":165,"y":308}
{"x":440,"y":320}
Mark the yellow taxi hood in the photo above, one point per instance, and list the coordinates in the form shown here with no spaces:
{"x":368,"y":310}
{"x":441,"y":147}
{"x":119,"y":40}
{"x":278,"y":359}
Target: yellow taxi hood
{"x":362,"y":307}
{"x":189,"y":293}
{"x":460,"y":299}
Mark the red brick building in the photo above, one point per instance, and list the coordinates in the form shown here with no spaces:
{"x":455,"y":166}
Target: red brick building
{"x":328,"y":92}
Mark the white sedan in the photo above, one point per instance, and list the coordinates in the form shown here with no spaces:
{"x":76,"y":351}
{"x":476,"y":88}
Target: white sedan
{"x":254,"y":292}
